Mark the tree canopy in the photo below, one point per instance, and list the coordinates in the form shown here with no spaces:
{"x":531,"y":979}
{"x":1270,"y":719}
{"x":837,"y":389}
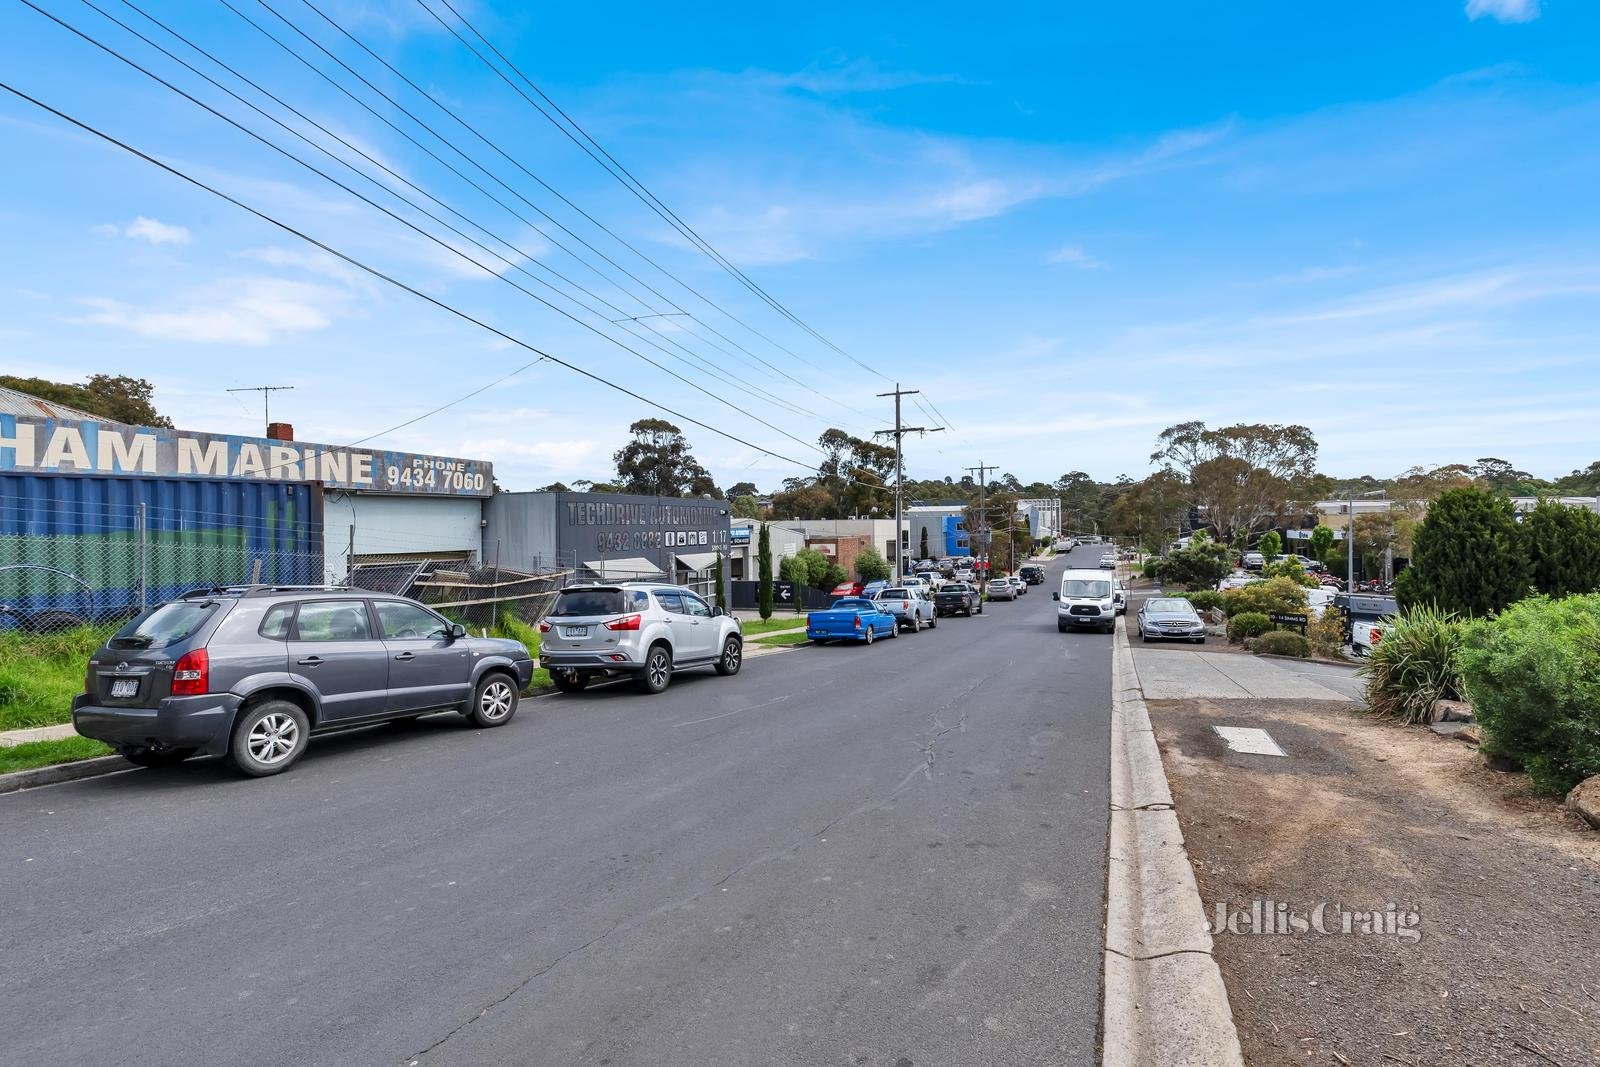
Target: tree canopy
{"x":657,"y":462}
{"x":115,"y":397}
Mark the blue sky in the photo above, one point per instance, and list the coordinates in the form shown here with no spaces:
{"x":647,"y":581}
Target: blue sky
{"x":1072,"y":226}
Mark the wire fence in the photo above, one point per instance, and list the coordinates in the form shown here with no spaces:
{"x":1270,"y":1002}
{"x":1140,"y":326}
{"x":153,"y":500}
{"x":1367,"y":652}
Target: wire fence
{"x":104,"y":575}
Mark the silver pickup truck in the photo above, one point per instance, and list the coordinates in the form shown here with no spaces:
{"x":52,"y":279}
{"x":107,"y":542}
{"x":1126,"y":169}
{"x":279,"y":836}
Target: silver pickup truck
{"x":911,"y":609}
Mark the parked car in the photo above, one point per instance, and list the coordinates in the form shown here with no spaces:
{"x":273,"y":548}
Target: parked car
{"x":954,"y":597}
{"x":637,"y":630}
{"x":1367,"y":618}
{"x":1085,"y":601}
{"x":1170,"y":619}
{"x":1237,"y":581}
{"x":253,"y":672}
{"x":964,"y":572}
{"x":930,"y":579}
{"x":1002,"y":589}
{"x":1253,"y":561}
{"x":1032,"y":573}
{"x":1018,"y":584}
{"x":1307,"y":564}
{"x":910,"y":606}
{"x":1108,"y":561}
{"x":844,"y":589}
{"x":852,"y":618}
{"x":873,"y":588}
{"x":1119,"y":596}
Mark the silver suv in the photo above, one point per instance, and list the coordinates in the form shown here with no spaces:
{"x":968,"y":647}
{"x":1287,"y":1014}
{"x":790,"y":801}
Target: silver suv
{"x":638,"y":629}
{"x":251,"y":672}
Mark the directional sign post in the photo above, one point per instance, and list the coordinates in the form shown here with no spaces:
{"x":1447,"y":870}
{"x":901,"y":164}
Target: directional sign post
{"x":783,"y":593}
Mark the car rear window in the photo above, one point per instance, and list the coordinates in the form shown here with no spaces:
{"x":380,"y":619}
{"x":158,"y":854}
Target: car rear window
{"x":166,"y":625}
{"x":589,"y":602}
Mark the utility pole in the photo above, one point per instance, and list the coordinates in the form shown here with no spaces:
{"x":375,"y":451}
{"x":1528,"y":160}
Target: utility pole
{"x":982,"y":532}
{"x":900,"y":431}
{"x":266,"y":392}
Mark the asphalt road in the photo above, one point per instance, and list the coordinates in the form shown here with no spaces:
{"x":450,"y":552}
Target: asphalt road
{"x":887,"y":855}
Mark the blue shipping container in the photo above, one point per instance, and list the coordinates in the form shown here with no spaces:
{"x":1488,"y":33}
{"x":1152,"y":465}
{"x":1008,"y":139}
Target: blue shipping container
{"x":97,"y":547}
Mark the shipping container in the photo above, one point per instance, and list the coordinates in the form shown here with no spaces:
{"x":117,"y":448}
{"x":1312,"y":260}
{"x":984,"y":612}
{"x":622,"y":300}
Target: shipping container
{"x":93,"y":548}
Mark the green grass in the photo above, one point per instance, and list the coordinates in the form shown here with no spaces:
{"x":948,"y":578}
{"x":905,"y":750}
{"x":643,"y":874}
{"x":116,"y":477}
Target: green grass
{"x":48,"y":753}
{"x":772,"y":625}
{"x":798,"y":637}
{"x":510,"y":626}
{"x":41,"y":673}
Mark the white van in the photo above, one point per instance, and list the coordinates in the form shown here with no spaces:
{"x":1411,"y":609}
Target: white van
{"x":1086,"y":600}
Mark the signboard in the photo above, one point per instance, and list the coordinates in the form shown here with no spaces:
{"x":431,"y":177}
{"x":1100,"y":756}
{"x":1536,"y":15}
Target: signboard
{"x":1285,"y":619}
{"x":640,"y":524}
{"x":783,"y":594}
{"x":739,"y":535}
{"x":81,"y":446}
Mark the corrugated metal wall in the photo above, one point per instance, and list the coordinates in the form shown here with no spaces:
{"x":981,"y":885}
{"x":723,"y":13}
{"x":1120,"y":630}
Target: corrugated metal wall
{"x":135,"y":540}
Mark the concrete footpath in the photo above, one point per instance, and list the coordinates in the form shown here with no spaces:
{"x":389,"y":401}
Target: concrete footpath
{"x":1173,"y":674}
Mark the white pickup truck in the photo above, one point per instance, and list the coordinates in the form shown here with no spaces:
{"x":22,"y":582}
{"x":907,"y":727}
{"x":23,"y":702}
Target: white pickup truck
{"x":1367,"y":616}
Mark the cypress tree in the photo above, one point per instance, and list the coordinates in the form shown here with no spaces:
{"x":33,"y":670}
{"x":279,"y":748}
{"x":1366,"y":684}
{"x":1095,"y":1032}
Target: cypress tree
{"x":1563,"y":548}
{"x":1468,"y":556}
{"x":764,"y":588}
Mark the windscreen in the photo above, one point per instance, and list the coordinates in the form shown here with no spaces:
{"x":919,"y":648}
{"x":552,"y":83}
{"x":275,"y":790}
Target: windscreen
{"x":1169,"y":607}
{"x":588,"y":602}
{"x":166,"y":625}
{"x":1086,"y":588}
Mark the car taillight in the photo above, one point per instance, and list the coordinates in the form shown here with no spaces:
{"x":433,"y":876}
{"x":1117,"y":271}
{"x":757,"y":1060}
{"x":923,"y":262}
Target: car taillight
{"x":88,"y":678}
{"x":858,"y":622}
{"x":192,"y":675}
{"x":627,"y":622}
{"x":544,"y":627}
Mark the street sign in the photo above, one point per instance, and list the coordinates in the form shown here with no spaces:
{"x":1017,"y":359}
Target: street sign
{"x":1285,"y":619}
{"x":783,"y":594}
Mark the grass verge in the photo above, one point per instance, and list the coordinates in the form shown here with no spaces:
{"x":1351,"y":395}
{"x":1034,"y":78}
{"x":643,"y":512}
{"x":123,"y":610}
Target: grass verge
{"x":798,"y":637}
{"x":41,"y":673}
{"x":48,"y":753}
{"x":773,"y":625}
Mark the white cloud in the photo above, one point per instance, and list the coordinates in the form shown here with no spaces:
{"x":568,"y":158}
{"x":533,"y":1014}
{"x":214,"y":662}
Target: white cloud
{"x":1503,"y":10}
{"x":239,"y":311}
{"x":147,"y":229}
{"x":1075,"y":256}
{"x":836,"y":76}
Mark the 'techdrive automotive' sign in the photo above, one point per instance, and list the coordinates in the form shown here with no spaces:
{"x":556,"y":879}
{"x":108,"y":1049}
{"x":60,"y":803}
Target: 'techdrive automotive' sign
{"x":71,"y":446}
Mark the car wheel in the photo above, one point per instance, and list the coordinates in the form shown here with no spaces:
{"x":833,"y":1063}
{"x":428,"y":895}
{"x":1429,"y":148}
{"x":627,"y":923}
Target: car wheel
{"x":868,"y":638}
{"x":1061,"y":627}
{"x":657,"y":671}
{"x":570,"y":681}
{"x":894,"y":629}
{"x":1144,"y":636}
{"x":732,"y":657}
{"x":916,"y":624}
{"x":269,"y":738}
{"x":494,"y":701}
{"x":933,"y":620}
{"x":1199,"y":640}
{"x":156,"y":757}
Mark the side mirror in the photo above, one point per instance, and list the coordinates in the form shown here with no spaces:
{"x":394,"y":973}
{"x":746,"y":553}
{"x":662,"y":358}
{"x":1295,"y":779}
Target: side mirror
{"x":1055,"y":596}
{"x":718,"y":610}
{"x":457,"y":631}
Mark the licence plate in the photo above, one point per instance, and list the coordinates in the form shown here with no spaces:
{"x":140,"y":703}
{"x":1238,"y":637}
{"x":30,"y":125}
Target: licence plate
{"x":125,"y":687}
{"x":575,"y":631}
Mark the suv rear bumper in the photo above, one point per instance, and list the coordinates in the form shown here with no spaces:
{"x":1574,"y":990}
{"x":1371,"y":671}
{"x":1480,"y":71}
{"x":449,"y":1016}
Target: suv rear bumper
{"x":198,"y":722}
{"x":590,"y":661}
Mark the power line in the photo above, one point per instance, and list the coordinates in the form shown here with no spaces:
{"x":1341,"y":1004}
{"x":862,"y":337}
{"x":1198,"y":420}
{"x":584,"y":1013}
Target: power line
{"x":407,"y":223}
{"x":628,"y":181}
{"x":397,"y":283}
{"x":523,"y":256}
{"x":514,"y":162}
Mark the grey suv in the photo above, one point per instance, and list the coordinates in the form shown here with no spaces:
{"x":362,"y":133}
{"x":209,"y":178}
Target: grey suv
{"x":636,"y":629}
{"x":252,"y":672}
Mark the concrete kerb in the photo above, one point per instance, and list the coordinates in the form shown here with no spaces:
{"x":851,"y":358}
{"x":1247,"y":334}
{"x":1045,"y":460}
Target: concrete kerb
{"x":63,"y":772}
{"x":1165,"y":1003}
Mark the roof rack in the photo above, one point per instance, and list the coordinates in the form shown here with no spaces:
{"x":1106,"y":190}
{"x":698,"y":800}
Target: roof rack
{"x":259,"y":590}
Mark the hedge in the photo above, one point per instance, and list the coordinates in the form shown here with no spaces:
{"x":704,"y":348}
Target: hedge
{"x":1283,"y":595}
{"x":1282,"y":643}
{"x":1248,"y":624}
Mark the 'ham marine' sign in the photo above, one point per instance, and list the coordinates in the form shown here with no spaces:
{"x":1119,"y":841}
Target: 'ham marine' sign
{"x":72,"y":446}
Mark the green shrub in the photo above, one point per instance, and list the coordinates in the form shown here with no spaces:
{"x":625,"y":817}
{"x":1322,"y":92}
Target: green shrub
{"x":1467,"y":556}
{"x":1414,"y":665}
{"x":1326,"y":632}
{"x":1290,"y":568}
{"x":1533,"y":675}
{"x":1281,"y":643}
{"x":1202,"y":599}
{"x":1203,"y":564}
{"x":1271,"y":545}
{"x":1283,"y":595}
{"x":1152,"y":568}
{"x":1248,"y":624}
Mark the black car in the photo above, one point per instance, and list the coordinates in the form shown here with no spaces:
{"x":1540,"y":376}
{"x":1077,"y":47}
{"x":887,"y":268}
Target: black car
{"x":251,"y":672}
{"x":1032,"y":574}
{"x":957,"y":597}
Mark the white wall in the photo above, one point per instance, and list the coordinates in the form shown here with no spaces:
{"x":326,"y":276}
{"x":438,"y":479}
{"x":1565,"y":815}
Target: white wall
{"x":393,"y":524}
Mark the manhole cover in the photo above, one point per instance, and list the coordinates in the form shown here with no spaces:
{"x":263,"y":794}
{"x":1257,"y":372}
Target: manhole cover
{"x":1249,"y":739}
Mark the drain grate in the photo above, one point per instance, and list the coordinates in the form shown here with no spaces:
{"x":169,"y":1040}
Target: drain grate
{"x":1250,"y":740}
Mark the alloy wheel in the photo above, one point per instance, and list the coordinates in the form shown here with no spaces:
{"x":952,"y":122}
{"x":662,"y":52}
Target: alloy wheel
{"x":274,"y":738}
{"x":495,"y":704}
